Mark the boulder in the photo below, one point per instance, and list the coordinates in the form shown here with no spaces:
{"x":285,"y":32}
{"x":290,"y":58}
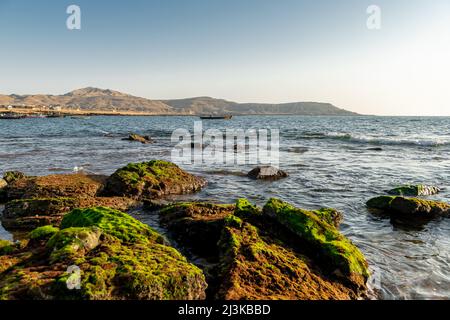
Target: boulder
{"x":252,"y":256}
{"x":267,"y":172}
{"x":412,"y":191}
{"x":409,"y":207}
{"x":151,"y":180}
{"x":114,"y":256}
{"x":55,"y":186}
{"x":261,"y":260}
{"x":28,"y":214}
{"x":138,"y":138}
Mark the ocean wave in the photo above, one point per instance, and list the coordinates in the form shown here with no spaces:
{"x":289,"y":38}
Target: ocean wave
{"x":400,"y":141}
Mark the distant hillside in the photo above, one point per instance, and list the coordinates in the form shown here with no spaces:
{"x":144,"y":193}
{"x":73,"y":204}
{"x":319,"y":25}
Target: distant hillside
{"x":109,"y":100}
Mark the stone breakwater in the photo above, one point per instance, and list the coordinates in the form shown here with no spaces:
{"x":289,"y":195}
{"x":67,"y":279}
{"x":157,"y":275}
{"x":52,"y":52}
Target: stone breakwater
{"x":276,"y":251}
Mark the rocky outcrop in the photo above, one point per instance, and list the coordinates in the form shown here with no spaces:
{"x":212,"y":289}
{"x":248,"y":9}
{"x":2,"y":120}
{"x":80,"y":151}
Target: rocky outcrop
{"x":412,"y":191}
{"x":257,"y":254}
{"x":55,"y":186}
{"x":139,"y":138}
{"x":409,"y":207}
{"x":107,"y":253}
{"x":267,"y":172}
{"x":152,"y":179}
{"x":28,"y":214}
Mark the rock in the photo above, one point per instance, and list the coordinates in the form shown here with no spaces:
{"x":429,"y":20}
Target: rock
{"x":417,"y":190}
{"x":28,"y":214}
{"x":196,"y":224}
{"x":267,"y":172}
{"x":138,"y":138}
{"x":335,"y":250}
{"x":3,"y":183}
{"x":118,"y":258}
{"x":375,"y":149}
{"x":152,"y":180}
{"x":55,"y":186}
{"x":409,"y":207}
{"x":260,"y":260}
{"x":252,"y":256}
{"x":12,"y":176}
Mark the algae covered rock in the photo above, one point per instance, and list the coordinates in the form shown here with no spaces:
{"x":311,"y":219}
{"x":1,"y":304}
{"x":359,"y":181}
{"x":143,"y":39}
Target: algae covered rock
{"x":104,"y":254}
{"x":56,"y":186}
{"x":414,"y":190}
{"x":28,"y":214}
{"x":409,"y":207}
{"x":152,"y":179}
{"x":260,"y":261}
{"x":331,"y":246}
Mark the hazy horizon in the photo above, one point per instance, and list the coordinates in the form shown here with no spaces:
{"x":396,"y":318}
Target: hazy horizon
{"x":254,"y":51}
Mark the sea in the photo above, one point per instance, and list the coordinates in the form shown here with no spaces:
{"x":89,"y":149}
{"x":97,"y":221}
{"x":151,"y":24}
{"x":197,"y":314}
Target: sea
{"x":338,"y":162}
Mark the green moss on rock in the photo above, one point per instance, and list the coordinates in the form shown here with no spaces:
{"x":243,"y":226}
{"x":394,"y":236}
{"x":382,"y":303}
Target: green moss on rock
{"x":409,"y":207}
{"x":332,"y":247}
{"x":152,"y":179}
{"x":414,"y":190}
{"x":44,"y":232}
{"x":6,"y":247}
{"x":117,"y":258}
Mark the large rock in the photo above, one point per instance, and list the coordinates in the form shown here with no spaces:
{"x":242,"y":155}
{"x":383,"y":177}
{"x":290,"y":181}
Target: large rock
{"x":262,"y":259}
{"x":152,"y":179}
{"x":252,"y":256}
{"x":409,"y":207}
{"x":109,"y":254}
{"x":28,"y":214}
{"x":55,"y":186}
{"x":417,"y":190}
{"x":3,"y":185}
{"x":338,"y":253}
{"x":267,"y":172}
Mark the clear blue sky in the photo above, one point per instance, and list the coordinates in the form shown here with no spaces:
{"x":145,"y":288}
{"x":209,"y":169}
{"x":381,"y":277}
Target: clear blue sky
{"x":242,"y":50}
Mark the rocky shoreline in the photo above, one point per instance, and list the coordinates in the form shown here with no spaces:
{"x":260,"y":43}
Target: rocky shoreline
{"x":276,"y":251}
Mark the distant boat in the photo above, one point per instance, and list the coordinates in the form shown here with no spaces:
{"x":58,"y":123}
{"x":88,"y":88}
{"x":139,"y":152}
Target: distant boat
{"x":211,"y":117}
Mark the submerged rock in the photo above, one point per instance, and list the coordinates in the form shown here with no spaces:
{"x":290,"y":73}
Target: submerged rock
{"x":152,"y":179}
{"x":28,"y":214}
{"x":55,"y":186}
{"x":409,"y":207}
{"x":417,"y":190}
{"x":138,"y":138}
{"x":267,"y":172}
{"x":108,"y":253}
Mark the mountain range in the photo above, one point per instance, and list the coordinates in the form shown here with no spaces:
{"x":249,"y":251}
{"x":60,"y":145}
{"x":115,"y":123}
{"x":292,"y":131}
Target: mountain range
{"x":109,"y":100}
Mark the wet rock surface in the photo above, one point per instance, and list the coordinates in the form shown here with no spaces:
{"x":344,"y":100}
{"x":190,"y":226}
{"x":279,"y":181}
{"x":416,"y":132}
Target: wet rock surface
{"x":267,"y":172}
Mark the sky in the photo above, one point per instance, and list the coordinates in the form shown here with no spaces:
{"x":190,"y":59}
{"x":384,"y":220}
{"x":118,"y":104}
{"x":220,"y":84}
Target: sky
{"x":241,"y":50}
